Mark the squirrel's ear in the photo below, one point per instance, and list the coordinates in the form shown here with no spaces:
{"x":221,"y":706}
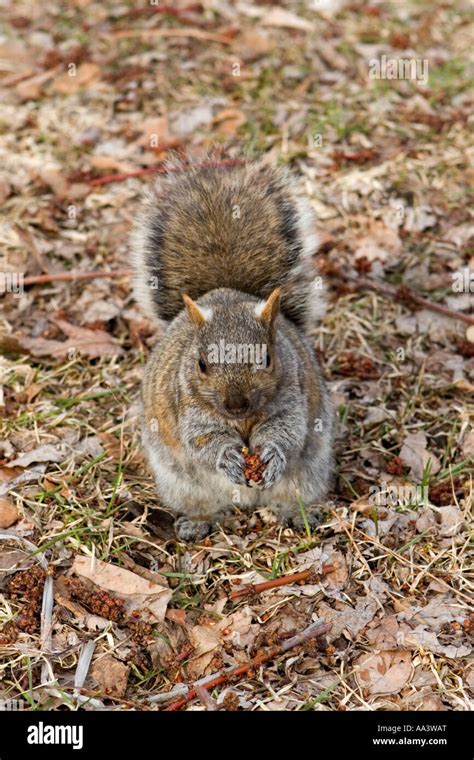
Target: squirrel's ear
{"x":268,"y":311}
{"x":195,"y":314}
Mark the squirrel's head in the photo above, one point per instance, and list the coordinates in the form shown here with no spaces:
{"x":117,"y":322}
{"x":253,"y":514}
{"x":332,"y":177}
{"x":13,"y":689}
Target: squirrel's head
{"x":234,"y":365}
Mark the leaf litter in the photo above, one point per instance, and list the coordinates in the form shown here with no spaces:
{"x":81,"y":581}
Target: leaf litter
{"x":384,"y":164}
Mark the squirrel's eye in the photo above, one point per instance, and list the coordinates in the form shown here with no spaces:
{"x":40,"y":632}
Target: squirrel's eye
{"x":202,"y":365}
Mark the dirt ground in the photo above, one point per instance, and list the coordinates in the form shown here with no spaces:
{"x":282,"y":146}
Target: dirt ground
{"x":99,"y":603}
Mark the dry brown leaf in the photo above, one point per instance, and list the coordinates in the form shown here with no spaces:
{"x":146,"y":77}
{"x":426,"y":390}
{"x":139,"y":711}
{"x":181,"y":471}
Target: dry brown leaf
{"x":420,"y":637}
{"x":176,"y":616}
{"x":155,"y":133}
{"x":382,"y":243}
{"x":12,"y":559}
{"x":384,"y":672}
{"x":363,"y":505}
{"x":239,"y":629}
{"x":110,"y":675}
{"x":32,"y":88}
{"x":8,"y":514}
{"x":69,"y":83}
{"x":282,"y":18}
{"x":55,"y":179}
{"x":136,"y":592}
{"x":110,"y":163}
{"x":441,"y":609}
{"x":46,"y":453}
{"x":229,"y":121}
{"x":345,"y":618}
{"x":252,"y":45}
{"x":432,"y":703}
{"x":206,"y":641}
{"x":90,"y":343}
{"x":450,"y":519}
{"x":415,"y":454}
{"x":111,"y":444}
{"x":384,"y":634}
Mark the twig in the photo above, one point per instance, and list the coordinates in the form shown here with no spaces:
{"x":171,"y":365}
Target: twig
{"x":122,"y":177}
{"x":197,"y":34}
{"x":404,"y":294}
{"x":163,"y":169}
{"x":205,"y":698}
{"x":72,"y":276}
{"x":314,"y":630}
{"x":283,"y":581}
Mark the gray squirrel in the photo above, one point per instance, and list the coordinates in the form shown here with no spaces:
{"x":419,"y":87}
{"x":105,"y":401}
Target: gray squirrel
{"x":223,"y":258}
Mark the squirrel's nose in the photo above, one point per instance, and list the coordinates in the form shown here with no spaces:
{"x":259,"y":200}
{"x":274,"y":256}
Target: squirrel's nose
{"x":236,"y":403}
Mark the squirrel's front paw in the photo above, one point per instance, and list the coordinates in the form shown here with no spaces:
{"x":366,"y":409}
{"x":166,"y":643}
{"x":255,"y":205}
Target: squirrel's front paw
{"x":231,"y":462}
{"x":275,"y":462}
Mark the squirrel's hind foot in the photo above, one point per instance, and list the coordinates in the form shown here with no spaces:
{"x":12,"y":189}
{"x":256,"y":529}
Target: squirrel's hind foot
{"x":191,"y":530}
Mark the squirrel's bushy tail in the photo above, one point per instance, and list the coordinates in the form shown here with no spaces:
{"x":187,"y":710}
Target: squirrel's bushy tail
{"x":243,"y":228}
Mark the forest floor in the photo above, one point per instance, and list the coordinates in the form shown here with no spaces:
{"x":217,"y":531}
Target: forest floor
{"x":95,"y":90}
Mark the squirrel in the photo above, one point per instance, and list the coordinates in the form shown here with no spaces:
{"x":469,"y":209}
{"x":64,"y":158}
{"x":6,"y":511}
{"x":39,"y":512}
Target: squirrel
{"x":223,"y":259}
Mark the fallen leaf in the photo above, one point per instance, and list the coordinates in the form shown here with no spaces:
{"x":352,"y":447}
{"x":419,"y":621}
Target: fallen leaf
{"x":239,"y":628}
{"x":111,"y":444}
{"x":282,"y":18}
{"x":110,"y":675}
{"x":415,"y":454}
{"x":421,"y":637}
{"x":432,"y":703}
{"x":206,"y":640}
{"x":450,"y":519}
{"x":54,"y":178}
{"x":156,"y":134}
{"x":11,"y":559}
{"x":229,"y":121}
{"x":28,"y":476}
{"x":345,"y":618}
{"x":8,"y":514}
{"x":176,"y":616}
{"x":382,"y":243}
{"x":90,"y":343}
{"x":135,"y":591}
{"x":90,"y":446}
{"x":73,"y":80}
{"x":442,"y":609}
{"x":252,"y":45}
{"x":32,"y":88}
{"x":110,"y":163}
{"x":384,"y":672}
{"x":46,"y":453}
